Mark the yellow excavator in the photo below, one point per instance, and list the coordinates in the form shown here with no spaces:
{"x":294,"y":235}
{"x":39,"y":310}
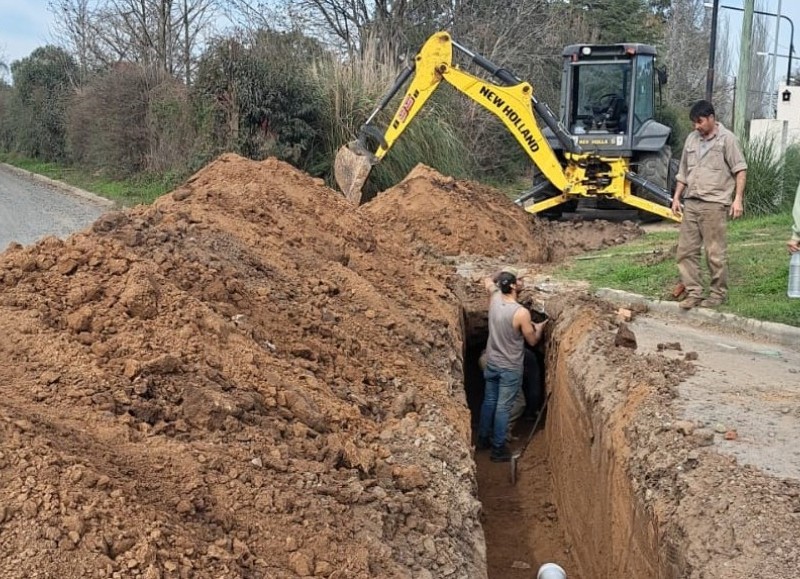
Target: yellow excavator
{"x":613,"y":153}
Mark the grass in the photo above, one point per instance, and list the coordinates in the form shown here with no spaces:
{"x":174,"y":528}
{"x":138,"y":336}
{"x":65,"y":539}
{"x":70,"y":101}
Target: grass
{"x":757,"y":258}
{"x":128,"y":192}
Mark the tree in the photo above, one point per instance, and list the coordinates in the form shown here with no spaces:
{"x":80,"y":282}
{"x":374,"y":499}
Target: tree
{"x":256,"y":98}
{"x":3,"y":69}
{"x":686,"y":55}
{"x":625,"y":20}
{"x":43,"y":84}
{"x":165,"y":34}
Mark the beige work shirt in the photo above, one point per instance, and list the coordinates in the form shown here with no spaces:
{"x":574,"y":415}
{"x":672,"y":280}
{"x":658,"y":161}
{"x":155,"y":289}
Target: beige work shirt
{"x":708,"y":166}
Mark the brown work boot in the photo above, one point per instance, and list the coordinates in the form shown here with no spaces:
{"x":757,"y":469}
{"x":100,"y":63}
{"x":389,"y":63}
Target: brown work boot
{"x":712,"y":302}
{"x":690,"y":302}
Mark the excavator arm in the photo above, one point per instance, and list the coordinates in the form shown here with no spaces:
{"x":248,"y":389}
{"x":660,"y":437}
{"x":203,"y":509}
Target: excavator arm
{"x":433,"y":64}
{"x":514,"y":103}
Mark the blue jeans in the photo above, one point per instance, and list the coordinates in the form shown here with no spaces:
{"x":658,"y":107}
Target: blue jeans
{"x":502,"y":387}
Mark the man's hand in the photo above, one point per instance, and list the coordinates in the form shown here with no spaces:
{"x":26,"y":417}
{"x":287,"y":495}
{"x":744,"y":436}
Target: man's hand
{"x":539,"y":326}
{"x":793,"y":245}
{"x":676,"y":206}
{"x":737,"y":208}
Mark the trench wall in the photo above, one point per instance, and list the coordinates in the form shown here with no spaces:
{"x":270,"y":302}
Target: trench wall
{"x":592,"y":404}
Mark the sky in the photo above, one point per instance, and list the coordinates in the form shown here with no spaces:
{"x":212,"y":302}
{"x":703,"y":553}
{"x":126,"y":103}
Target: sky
{"x":24,"y":26}
{"x":27,"y":24}
{"x":789,"y":9}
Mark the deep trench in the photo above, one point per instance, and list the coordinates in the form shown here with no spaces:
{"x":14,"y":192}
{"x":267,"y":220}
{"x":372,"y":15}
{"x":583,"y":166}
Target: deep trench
{"x":569,"y":501}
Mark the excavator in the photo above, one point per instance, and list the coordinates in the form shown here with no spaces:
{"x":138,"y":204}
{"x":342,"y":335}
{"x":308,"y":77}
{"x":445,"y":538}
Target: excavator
{"x":606,"y":146}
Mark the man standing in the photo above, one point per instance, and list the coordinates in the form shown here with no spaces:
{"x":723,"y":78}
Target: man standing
{"x":510,"y":326}
{"x":712,"y":172}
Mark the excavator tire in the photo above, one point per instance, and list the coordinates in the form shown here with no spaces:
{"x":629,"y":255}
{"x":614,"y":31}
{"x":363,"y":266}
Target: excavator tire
{"x":658,"y":168}
{"x":550,"y":191}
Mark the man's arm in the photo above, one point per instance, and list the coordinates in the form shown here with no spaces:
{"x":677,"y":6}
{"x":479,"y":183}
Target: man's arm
{"x":681,"y":178}
{"x":737,"y":207}
{"x":530,"y":331}
{"x":794,"y":242}
{"x":490,"y":285}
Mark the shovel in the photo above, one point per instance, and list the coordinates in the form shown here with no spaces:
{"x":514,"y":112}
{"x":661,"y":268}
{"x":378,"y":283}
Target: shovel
{"x":517,"y":455}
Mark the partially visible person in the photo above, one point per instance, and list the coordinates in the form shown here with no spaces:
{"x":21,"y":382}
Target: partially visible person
{"x":532,"y":385}
{"x":510,"y":328}
{"x":712,"y":174}
{"x":794,"y":242}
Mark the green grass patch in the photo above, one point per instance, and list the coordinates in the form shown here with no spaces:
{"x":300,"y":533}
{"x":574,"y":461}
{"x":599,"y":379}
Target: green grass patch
{"x":758,"y":268}
{"x":128,"y":192}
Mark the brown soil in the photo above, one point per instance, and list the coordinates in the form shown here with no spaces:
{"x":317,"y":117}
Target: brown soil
{"x":443,"y":216}
{"x":251,"y":379}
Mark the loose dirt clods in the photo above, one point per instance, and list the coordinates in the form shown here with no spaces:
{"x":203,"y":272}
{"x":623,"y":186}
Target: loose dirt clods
{"x":251,"y":379}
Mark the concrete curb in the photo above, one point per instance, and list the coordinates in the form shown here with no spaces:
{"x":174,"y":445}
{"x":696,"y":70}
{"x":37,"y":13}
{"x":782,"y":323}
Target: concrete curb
{"x":777,"y":333}
{"x":60,"y":185}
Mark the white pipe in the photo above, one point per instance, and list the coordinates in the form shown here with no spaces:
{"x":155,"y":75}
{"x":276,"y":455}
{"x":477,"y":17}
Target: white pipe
{"x":551,"y":571}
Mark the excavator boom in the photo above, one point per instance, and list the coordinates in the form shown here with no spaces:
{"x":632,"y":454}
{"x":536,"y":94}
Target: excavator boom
{"x":432,"y":65}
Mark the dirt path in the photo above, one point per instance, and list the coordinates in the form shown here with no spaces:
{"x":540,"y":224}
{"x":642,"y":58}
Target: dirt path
{"x":34,"y":207}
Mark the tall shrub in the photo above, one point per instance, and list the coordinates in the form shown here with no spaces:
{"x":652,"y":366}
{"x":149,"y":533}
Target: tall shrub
{"x":107,"y":122}
{"x":43,"y":85}
{"x":254,"y":97}
{"x":770,"y":179}
{"x":131,"y":120}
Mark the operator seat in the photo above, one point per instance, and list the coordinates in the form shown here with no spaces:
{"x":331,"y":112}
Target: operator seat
{"x":617,"y":115}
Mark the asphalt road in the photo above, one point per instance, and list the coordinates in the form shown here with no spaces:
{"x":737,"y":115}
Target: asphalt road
{"x":31,"y":209}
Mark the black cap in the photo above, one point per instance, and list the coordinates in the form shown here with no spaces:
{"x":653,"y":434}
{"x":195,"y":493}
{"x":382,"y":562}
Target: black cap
{"x":505,"y":280}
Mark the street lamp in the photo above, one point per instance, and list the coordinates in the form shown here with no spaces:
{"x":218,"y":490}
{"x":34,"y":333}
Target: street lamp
{"x":709,"y":83}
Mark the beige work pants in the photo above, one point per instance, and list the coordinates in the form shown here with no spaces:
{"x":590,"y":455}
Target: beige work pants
{"x":704,"y":225}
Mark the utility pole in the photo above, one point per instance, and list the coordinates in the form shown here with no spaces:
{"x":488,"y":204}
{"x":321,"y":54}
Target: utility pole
{"x":712,"y":52}
{"x":775,"y":62}
{"x":743,"y":78}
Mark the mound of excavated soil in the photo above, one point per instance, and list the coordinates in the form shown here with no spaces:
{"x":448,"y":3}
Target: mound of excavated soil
{"x":444,"y":216}
{"x":246,"y":379}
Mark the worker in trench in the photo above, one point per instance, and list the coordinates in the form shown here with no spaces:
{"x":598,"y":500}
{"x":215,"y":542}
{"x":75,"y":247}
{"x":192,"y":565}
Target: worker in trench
{"x":510,"y":329}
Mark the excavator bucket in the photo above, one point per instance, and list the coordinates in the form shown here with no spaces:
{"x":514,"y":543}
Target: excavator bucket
{"x":351,"y":168}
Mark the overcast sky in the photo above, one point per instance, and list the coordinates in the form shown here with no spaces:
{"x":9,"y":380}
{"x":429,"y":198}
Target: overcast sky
{"x":26,"y":24}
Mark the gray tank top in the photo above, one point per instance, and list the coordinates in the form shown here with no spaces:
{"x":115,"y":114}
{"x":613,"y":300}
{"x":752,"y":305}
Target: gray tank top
{"x":506,"y":346}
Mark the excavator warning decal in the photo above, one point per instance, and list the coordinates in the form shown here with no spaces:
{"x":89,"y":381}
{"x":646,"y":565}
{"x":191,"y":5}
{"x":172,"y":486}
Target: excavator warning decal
{"x":512,"y":116}
{"x":402,"y":114}
{"x":407,"y":104}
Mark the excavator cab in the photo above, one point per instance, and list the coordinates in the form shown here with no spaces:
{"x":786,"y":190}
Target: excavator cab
{"x":608,"y":107}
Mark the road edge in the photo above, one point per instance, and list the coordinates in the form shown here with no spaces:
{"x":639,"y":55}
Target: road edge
{"x":782,"y":334}
{"x":60,"y":185}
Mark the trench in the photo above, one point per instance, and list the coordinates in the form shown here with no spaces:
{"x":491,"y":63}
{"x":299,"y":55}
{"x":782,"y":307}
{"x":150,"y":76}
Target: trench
{"x":570,"y":500}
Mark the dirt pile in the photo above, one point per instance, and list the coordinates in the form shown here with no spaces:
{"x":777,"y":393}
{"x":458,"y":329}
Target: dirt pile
{"x":444,"y":216}
{"x":246,"y":379}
